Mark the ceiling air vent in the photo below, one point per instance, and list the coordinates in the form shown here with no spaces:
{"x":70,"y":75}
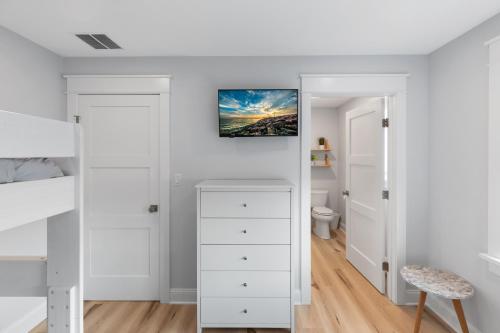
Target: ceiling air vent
{"x":99,"y":41}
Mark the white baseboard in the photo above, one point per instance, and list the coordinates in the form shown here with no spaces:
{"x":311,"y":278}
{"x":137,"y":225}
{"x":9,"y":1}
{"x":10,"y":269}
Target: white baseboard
{"x":444,"y":309}
{"x":411,"y":297}
{"x":183,"y":296}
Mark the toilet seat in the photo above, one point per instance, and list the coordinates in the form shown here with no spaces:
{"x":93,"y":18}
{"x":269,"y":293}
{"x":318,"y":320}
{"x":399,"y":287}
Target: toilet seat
{"x":322,"y":217}
{"x":323,"y":211}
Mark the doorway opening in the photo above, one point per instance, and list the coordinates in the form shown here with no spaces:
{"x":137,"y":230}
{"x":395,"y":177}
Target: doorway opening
{"x":349,"y":183}
{"x":370,"y":174}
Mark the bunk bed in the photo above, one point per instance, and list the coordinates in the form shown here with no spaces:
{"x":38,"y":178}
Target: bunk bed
{"x":32,"y":287}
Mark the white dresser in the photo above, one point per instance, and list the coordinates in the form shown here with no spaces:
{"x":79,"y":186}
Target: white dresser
{"x":245,"y":254}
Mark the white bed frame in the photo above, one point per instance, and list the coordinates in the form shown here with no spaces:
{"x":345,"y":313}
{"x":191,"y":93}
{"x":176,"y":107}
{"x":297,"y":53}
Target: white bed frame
{"x":58,"y":276}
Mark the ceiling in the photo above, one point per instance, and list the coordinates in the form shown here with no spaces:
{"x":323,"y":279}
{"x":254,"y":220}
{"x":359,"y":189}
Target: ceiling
{"x":329,"y":102}
{"x":246,"y":27}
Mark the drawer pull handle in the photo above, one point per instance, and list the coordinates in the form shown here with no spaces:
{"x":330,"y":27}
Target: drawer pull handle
{"x":244,"y":231}
{"x":244,"y":205}
{"x":244,"y":284}
{"x":245,"y":258}
{"x":245,"y":311}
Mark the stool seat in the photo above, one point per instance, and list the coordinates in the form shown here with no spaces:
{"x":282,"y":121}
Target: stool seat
{"x":438,"y":282}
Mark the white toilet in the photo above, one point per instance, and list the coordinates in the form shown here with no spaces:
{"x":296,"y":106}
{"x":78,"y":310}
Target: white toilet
{"x":321,"y":215}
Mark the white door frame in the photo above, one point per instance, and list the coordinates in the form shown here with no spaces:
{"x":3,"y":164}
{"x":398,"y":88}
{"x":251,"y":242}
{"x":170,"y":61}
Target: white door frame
{"x":137,"y":85}
{"x":358,"y":85}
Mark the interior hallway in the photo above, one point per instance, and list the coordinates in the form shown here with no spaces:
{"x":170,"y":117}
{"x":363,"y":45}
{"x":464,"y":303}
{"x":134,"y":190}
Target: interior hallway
{"x":342,"y":302}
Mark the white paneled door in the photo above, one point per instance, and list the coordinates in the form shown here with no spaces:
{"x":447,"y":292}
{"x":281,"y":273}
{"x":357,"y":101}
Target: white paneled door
{"x":365,"y":183}
{"x":121,"y":219}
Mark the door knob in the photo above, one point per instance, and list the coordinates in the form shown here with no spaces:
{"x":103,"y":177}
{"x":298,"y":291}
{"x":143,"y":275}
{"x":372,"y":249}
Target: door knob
{"x":153,"y":208}
{"x":345,"y":194}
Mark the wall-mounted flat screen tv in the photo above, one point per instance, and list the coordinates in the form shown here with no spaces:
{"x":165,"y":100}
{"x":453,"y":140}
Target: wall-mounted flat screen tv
{"x":258,"y":112}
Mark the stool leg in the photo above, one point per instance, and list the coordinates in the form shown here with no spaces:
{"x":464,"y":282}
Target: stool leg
{"x":460,"y":314}
{"x":420,"y":311}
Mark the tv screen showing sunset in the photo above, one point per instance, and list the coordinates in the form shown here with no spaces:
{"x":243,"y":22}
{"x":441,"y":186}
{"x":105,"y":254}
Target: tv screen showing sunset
{"x":258,"y":112}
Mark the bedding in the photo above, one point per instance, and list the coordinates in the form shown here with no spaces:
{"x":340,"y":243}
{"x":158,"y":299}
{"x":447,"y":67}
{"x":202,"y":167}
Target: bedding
{"x":26,"y":169}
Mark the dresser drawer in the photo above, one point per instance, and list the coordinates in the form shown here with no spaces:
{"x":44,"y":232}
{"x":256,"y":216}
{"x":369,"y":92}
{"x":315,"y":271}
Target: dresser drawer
{"x":245,"y":311}
{"x":245,"y":257}
{"x":246,"y":204}
{"x":245,"y":231}
{"x":245,"y":284}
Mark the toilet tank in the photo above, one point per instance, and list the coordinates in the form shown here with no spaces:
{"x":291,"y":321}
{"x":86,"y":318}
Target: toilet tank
{"x":319,"y":197}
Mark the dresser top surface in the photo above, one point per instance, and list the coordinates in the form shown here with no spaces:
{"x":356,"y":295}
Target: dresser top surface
{"x":244,"y":183}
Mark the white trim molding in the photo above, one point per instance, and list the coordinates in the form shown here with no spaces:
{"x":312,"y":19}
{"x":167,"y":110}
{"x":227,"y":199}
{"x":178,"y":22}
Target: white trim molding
{"x":492,"y":41}
{"x":493,"y":261}
{"x":412,"y":296}
{"x":137,"y":84}
{"x":150,"y":76}
{"x":353,"y":75}
{"x":359,"y":85}
{"x":441,"y":308}
{"x":297,"y":299}
{"x":492,"y":256}
{"x":118,"y":84}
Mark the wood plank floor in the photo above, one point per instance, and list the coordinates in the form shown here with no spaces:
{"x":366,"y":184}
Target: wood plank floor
{"x":342,"y":302}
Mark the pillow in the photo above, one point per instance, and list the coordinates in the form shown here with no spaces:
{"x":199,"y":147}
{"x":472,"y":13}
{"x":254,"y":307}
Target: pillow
{"x":35,"y":169}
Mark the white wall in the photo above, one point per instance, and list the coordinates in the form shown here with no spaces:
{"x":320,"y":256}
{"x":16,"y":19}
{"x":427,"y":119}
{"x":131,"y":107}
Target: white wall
{"x":198,"y":153}
{"x":31,"y":83}
{"x":458,"y":169}
{"x":324,"y":123}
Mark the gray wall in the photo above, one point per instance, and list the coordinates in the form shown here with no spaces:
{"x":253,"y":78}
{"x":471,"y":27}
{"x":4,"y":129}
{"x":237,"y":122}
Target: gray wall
{"x":30,"y":80}
{"x":31,"y":83}
{"x":198,"y":152}
{"x":324,"y":123}
{"x":458,"y":168}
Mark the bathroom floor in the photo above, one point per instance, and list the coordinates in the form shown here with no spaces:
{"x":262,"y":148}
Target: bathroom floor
{"x":342,"y":301}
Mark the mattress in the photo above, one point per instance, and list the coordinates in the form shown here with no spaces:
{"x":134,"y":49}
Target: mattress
{"x":26,"y":169}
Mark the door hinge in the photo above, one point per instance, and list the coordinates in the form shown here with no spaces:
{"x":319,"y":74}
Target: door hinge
{"x":385,"y":122}
{"x":385,"y":266}
{"x":77,"y":119}
{"x":385,"y":194}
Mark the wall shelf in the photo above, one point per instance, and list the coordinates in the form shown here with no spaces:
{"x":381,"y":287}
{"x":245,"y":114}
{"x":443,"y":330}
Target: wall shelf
{"x":319,"y":149}
{"x":328,"y":165}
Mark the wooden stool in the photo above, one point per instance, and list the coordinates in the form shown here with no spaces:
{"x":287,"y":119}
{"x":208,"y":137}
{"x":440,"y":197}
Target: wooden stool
{"x":441,"y":283}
